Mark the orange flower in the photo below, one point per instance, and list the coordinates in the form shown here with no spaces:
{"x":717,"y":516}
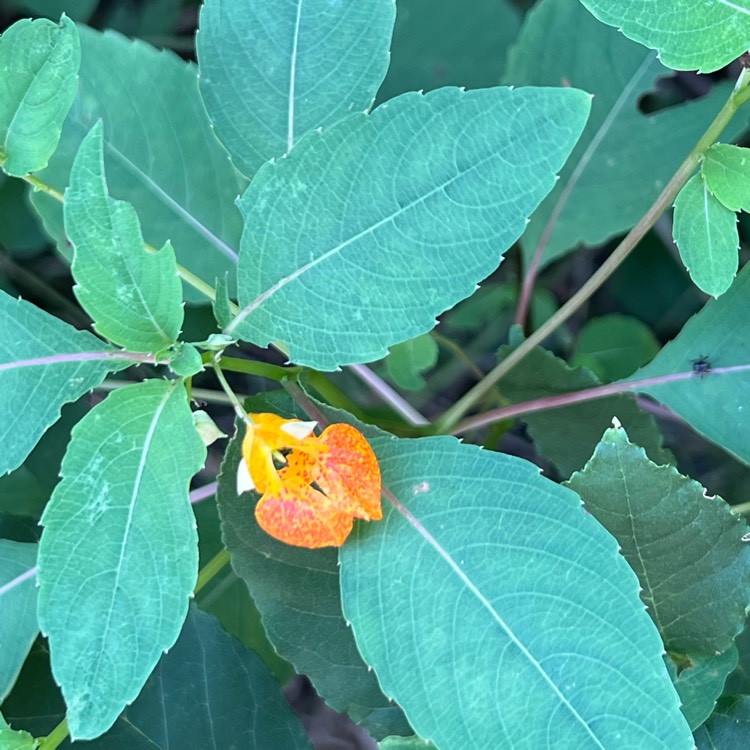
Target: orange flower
{"x":312,"y":487}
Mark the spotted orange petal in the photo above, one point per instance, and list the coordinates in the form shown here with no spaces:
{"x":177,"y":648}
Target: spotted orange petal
{"x":303,"y":517}
{"x":348,"y":472}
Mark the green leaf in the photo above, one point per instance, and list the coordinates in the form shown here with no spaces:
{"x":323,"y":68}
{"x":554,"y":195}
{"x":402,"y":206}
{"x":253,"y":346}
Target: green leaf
{"x":209,"y":691}
{"x":369,"y":229}
{"x":44,"y":363}
{"x":222,"y":305}
{"x":716,"y":403}
{"x":408,"y":360}
{"x":18,"y":627}
{"x":187,"y":361}
{"x":297,"y":593}
{"x":10,"y":740}
{"x":705,"y":232}
{"x":133,"y":296}
{"x":700,"y":683}
{"x":39,"y":60}
{"x":404,"y":743}
{"x":726,"y":171}
{"x":728,"y":728}
{"x":569,"y":435}
{"x":487,"y":587}
{"x":624,"y":157}
{"x":687,"y":550}
{"x":273,"y":71}
{"x":442,"y":44}
{"x":739,"y":681}
{"x":613,"y":346}
{"x":688,"y":35}
{"x":162,"y":158}
{"x":118,"y":558}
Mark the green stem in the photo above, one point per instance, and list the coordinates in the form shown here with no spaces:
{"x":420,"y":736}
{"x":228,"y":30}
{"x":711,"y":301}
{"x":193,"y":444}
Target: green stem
{"x":739,"y":95}
{"x":263,"y":369}
{"x":239,"y":410}
{"x":212,"y":568}
{"x":741,"y":508}
{"x":55,"y":737}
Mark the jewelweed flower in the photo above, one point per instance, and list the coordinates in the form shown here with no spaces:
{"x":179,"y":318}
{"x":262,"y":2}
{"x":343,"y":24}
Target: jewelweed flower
{"x":312,"y":487}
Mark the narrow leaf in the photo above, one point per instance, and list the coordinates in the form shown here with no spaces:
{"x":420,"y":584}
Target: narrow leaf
{"x":297,"y":593}
{"x":39,"y":60}
{"x":44,"y":363}
{"x":726,"y":170}
{"x":366,"y":231}
{"x":272,"y":71}
{"x":118,"y":558}
{"x":688,"y":35}
{"x":487,"y":587}
{"x":162,"y":158}
{"x":625,"y":157}
{"x":687,"y":550}
{"x":714,"y":403}
{"x":18,"y":627}
{"x":133,"y":296}
{"x":706,"y":234}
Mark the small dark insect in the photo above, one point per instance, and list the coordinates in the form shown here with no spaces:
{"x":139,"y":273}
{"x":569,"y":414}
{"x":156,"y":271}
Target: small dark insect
{"x":702,"y":366}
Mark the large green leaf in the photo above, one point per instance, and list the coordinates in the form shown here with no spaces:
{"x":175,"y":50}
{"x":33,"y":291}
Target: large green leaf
{"x":159,"y":151}
{"x":272,"y":70}
{"x":448,"y":43}
{"x":369,"y":229}
{"x":624,"y":158}
{"x":726,"y":170}
{"x":207,"y":691}
{"x":728,"y":728}
{"x":297,"y":593}
{"x":705,"y":232}
{"x":44,"y":363}
{"x":232,"y":699}
{"x":119,"y":557}
{"x":568,"y":435}
{"x":688,"y":551}
{"x":498,"y":613}
{"x":133,"y":296}
{"x":688,"y":35}
{"x":18,"y":626}
{"x":715,"y":403}
{"x":39,"y":61}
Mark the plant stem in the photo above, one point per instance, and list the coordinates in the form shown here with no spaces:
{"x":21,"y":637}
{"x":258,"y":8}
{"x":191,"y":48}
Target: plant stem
{"x":389,"y":395}
{"x":263,"y":369}
{"x":212,"y":568}
{"x":239,"y":410}
{"x":55,"y":737}
{"x":739,"y":95}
